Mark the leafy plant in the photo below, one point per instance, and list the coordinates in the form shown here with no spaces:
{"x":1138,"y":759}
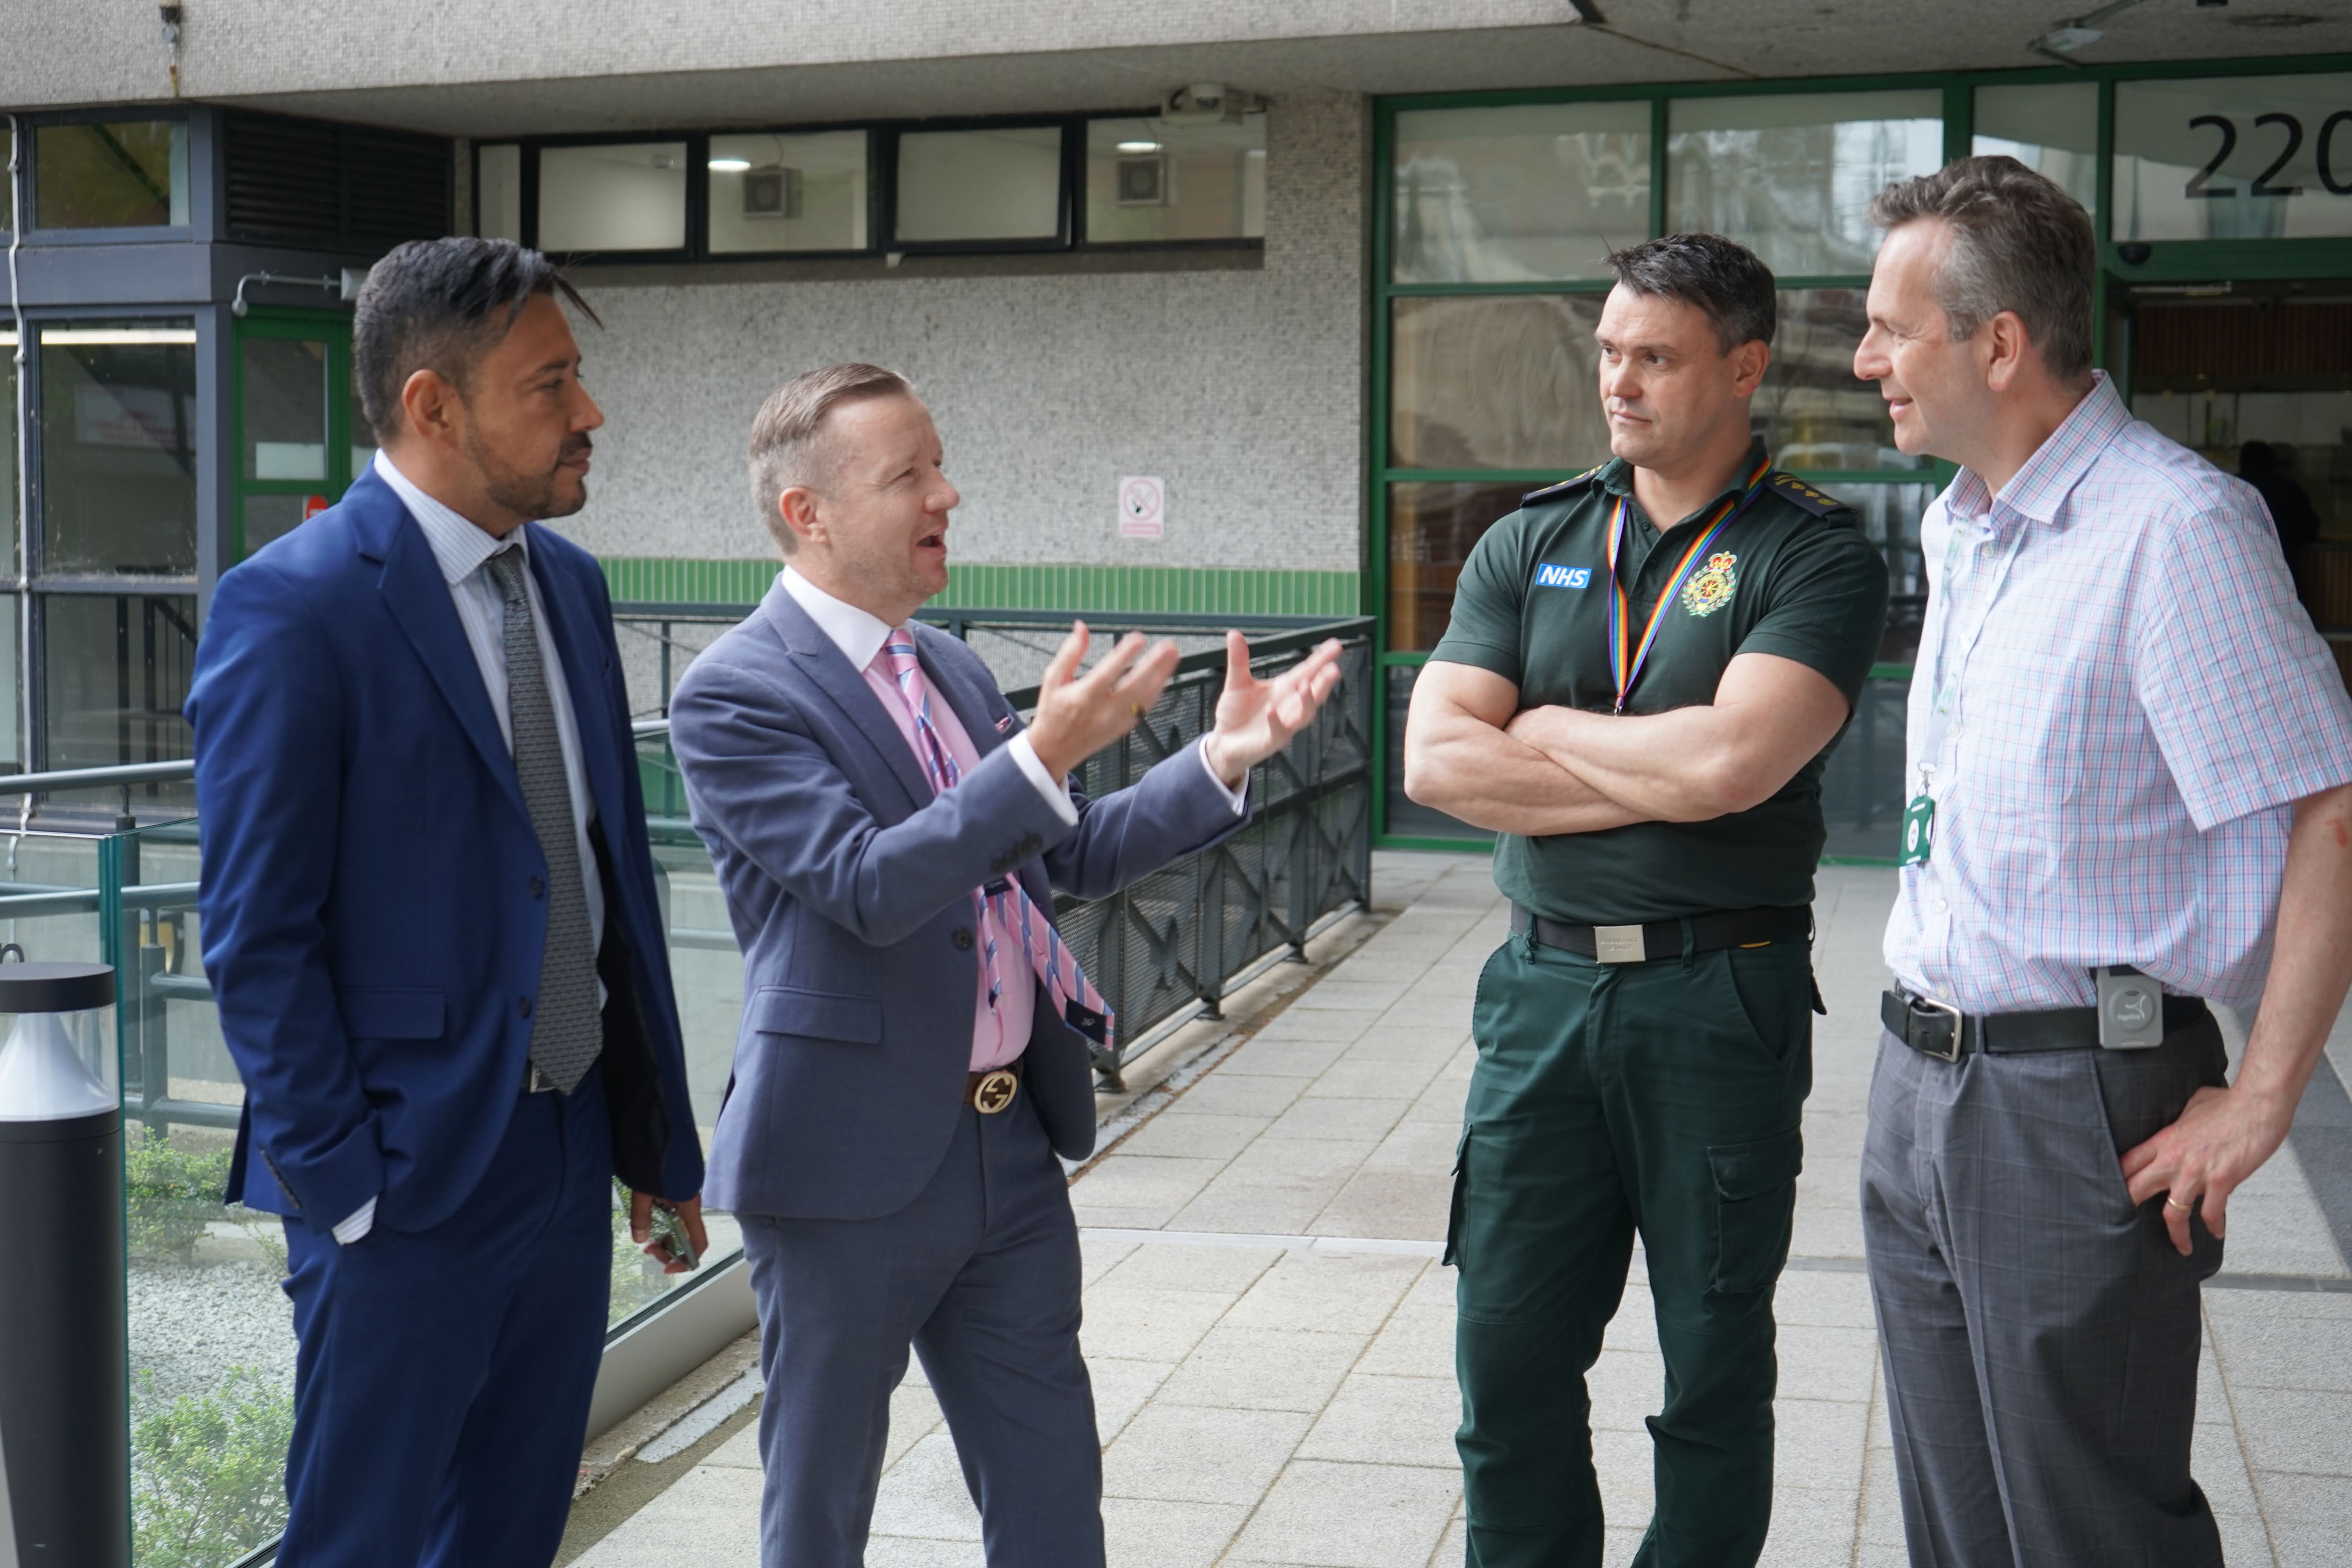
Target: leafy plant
{"x":170,"y":1195}
{"x":637,"y":1281}
{"x":208,"y":1471}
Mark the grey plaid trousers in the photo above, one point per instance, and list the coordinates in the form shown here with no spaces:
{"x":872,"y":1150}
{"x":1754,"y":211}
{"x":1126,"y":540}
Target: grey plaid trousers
{"x":2040,"y":1333}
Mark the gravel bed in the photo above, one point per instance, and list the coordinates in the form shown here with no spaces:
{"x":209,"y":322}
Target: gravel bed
{"x":190,"y":1323}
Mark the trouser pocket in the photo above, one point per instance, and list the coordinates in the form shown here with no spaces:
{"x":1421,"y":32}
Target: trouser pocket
{"x":1756,"y":1199}
{"x":1453,"y":1212}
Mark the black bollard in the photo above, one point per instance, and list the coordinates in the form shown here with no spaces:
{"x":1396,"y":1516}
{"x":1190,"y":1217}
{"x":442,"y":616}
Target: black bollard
{"x":65,"y":1461}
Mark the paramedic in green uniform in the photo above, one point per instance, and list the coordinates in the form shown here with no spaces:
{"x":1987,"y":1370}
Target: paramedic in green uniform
{"x":1645,"y":668}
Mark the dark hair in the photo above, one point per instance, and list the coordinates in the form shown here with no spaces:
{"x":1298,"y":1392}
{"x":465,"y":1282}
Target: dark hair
{"x":441,"y":305}
{"x":1721,"y":276}
{"x":2019,"y":244}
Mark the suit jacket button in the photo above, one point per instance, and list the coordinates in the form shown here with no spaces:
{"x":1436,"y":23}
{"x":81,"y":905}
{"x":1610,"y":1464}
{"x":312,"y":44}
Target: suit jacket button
{"x":963,"y":939}
{"x":538,"y":887}
{"x":522,"y":1007}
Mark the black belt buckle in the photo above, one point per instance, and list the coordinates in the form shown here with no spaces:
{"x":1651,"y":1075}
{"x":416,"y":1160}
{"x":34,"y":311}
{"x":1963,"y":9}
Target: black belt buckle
{"x":1927,"y":1025}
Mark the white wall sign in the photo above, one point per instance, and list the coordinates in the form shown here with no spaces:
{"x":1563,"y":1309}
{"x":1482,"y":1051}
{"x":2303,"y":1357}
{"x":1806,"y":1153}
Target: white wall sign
{"x":1143,"y":507}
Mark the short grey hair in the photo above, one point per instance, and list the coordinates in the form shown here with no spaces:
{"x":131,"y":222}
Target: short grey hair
{"x":2018,"y":244}
{"x":788,"y":444}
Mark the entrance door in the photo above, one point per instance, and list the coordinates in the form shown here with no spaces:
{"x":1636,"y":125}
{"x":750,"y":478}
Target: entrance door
{"x":299,"y":435}
{"x":2258,"y":378}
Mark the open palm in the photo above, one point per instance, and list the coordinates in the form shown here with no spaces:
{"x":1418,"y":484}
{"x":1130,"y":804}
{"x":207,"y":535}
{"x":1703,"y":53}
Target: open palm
{"x":1257,"y":718}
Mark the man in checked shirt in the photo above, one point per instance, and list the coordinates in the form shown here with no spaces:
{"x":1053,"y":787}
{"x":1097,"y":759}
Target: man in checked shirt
{"x":2127,"y":766}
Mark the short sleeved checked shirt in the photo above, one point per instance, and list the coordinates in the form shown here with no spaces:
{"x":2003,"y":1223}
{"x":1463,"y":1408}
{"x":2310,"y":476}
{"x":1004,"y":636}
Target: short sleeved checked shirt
{"x":2129,"y":732}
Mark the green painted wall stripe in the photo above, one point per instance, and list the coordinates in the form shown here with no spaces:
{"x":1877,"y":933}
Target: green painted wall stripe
{"x":1171,"y":590}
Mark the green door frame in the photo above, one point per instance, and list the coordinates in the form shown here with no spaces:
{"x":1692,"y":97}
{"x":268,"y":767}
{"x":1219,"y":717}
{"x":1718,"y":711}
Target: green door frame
{"x":333,"y":327}
{"x":2180,"y":262}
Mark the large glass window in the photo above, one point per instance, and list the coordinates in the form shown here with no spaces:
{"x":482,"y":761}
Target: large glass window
{"x":2052,"y":127}
{"x":2261,"y":157}
{"x":497,"y":191}
{"x":1004,"y":183}
{"x":116,"y":675}
{"x":118,"y":448}
{"x":625,"y":196}
{"x":1790,"y":175}
{"x":776,"y":192}
{"x":1149,"y":181}
{"x":128,"y":173}
{"x":1431,"y":530}
{"x":1812,"y":411}
{"x":285,"y":408}
{"x":1496,"y":381}
{"x":1518,"y":193}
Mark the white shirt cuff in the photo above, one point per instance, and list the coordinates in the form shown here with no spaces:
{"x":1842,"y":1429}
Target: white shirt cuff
{"x":1238,"y":797}
{"x":1057,"y":792}
{"x":355,"y":1228}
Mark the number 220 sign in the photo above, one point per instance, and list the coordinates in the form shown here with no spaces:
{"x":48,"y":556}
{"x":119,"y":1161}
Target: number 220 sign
{"x":2254,"y":157}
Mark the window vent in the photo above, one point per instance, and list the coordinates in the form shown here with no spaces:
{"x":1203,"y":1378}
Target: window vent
{"x":308,"y":181}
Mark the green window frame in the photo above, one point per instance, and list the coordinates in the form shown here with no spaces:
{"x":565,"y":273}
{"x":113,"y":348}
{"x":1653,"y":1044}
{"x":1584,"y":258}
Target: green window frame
{"x":2182,"y":261}
{"x":343,"y":418}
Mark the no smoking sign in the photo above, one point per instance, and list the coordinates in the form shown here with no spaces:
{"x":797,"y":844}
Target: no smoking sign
{"x":1143,"y":507}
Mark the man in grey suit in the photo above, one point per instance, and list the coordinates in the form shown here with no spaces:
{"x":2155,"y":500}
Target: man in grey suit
{"x":913,"y":1049}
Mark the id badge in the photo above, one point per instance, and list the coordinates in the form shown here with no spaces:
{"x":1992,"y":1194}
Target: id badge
{"x":2131,"y":1009}
{"x":1918,"y":830}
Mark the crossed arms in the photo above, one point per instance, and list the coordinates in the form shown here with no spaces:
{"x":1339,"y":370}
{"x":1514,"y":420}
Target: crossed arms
{"x":1470,"y":751}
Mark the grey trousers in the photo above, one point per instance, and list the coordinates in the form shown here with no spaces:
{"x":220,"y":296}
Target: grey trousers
{"x":980,"y":1273}
{"x":2039,"y":1332}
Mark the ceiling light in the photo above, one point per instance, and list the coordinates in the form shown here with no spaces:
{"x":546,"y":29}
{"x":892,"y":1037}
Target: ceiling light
{"x":730,"y":165}
{"x":1138,"y":146}
{"x":2067,"y":39}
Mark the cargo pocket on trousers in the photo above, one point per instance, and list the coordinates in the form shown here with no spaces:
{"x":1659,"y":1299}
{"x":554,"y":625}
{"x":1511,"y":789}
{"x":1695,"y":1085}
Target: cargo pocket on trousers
{"x":1756,"y":1199}
{"x":1454,"y":1210}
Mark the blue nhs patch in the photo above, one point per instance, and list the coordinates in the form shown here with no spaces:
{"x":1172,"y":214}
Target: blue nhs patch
{"x":1550,"y":577}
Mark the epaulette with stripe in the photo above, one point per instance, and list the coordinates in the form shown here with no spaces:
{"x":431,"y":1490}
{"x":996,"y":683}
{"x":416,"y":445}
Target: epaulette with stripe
{"x":1821,"y":503}
{"x":1558,"y":491}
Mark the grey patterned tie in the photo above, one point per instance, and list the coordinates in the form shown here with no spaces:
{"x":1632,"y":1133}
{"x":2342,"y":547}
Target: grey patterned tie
{"x":567,"y":1026}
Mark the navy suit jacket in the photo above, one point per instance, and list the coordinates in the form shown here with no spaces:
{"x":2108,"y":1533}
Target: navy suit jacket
{"x":850,"y":884}
{"x":371,"y":893}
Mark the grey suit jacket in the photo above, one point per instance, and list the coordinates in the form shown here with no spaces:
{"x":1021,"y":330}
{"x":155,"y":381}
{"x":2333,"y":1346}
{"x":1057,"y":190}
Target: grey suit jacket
{"x":849,"y":884}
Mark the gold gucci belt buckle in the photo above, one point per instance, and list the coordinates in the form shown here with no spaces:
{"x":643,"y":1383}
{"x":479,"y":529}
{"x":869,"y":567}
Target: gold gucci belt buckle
{"x":995,"y":1092}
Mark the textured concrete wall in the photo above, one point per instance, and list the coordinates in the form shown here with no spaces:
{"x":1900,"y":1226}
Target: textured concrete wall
{"x":1241,"y":388}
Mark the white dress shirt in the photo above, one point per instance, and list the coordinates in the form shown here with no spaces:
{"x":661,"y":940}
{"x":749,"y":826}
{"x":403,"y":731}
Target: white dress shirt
{"x":463,"y":551}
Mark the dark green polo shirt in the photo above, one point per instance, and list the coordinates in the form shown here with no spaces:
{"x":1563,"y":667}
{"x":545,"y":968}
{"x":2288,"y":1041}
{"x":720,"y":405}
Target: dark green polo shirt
{"x":1801,"y":581}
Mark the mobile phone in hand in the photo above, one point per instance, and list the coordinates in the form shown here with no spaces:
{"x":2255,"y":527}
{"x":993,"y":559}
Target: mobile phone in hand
{"x":668,"y":1233}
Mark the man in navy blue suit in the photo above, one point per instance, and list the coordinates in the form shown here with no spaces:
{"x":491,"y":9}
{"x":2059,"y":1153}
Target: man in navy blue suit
{"x":429,"y":919}
{"x":913,"y":1050}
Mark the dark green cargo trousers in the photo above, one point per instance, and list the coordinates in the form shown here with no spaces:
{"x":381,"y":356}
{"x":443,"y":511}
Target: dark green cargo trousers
{"x":1661,"y":1098}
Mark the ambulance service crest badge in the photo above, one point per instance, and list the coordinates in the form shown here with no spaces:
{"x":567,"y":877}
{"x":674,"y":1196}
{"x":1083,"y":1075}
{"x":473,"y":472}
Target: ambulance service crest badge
{"x":1711,"y":588}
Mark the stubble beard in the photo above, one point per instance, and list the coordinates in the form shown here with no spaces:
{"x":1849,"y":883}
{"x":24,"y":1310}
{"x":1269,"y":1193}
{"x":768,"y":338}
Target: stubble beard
{"x":534,"y":496}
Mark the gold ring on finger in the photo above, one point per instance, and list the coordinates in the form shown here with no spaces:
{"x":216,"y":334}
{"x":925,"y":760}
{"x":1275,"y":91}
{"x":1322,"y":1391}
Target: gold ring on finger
{"x":2173,"y":1203}
{"x":1134,"y":710}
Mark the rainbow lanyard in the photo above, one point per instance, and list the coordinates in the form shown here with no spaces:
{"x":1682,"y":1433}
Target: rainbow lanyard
{"x":1625,"y":659}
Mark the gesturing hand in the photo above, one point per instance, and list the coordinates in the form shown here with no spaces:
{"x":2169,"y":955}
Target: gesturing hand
{"x":1257,"y":718}
{"x":1079,"y":715}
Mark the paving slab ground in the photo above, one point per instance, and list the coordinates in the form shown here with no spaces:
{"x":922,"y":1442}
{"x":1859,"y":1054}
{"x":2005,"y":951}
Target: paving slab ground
{"x":1270,"y":1332}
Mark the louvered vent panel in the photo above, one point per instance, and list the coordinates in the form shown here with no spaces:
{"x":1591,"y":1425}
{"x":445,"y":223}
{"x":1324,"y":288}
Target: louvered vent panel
{"x":282,"y":179}
{"x":400,"y":186}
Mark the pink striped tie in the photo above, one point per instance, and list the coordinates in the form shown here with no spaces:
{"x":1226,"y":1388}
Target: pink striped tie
{"x":1080,"y":1004}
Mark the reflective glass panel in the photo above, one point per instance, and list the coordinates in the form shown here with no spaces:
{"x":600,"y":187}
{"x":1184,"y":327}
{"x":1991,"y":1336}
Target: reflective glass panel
{"x":1790,"y":175}
{"x":1518,"y":193}
{"x":10,"y":491}
{"x":122,"y":175}
{"x":1004,"y":183}
{"x":115,"y":673}
{"x":285,"y":388}
{"x":498,"y":193}
{"x":12,"y":689}
{"x":1861,"y":786}
{"x":2052,"y":127}
{"x":268,"y":516}
{"x":7,"y":156}
{"x":118,"y":446}
{"x":362,"y":438}
{"x":1148,"y":181}
{"x":1890,"y":515}
{"x":628,"y":195}
{"x":1496,"y":381}
{"x":1812,"y":410}
{"x":2254,"y":157}
{"x":1431,"y":530}
{"x":773,"y":192}
{"x":1406,"y":817}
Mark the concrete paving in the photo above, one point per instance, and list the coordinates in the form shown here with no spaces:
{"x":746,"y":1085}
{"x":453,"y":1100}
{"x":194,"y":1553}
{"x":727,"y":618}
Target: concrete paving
{"x":1271,"y":1335}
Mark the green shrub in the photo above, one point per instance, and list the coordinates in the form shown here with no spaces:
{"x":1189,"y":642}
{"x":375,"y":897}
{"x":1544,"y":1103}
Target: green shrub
{"x":170,"y":1195}
{"x":208,"y":1471}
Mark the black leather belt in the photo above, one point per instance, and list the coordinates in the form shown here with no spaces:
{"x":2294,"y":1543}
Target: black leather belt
{"x":1665,"y":939}
{"x":1947,"y":1034}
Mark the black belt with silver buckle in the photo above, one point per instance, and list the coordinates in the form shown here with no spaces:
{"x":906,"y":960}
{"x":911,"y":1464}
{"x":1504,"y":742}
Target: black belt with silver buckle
{"x":1665,"y":939}
{"x":991,"y":1092}
{"x":1947,"y":1034}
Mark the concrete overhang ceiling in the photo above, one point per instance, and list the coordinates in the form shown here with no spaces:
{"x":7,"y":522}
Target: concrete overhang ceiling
{"x":559,"y":66}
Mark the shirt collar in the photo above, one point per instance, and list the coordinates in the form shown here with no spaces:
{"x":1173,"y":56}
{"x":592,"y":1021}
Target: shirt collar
{"x":459,"y":545}
{"x":2040,"y":488}
{"x":858,"y":634}
{"x":1616,"y":477}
